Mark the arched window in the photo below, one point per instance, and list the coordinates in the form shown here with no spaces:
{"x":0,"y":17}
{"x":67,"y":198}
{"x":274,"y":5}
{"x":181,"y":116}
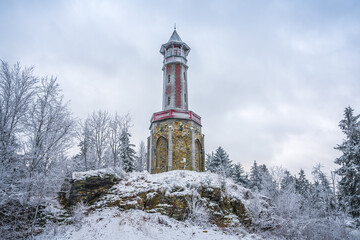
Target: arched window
{"x":161,"y":154}
{"x":198,"y":155}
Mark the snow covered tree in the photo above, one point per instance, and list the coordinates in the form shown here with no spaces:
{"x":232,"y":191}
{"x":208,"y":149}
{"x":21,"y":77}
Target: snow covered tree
{"x":86,"y":147}
{"x":349,"y":161}
{"x":322,"y":197}
{"x":302,"y":185}
{"x":36,"y":130}
{"x":115,"y":130}
{"x":277,"y":174}
{"x":49,"y":127}
{"x":261,"y":180}
{"x":99,"y":126}
{"x":255,"y":177}
{"x":50,"y":131}
{"x":141,"y":157}
{"x":268,"y":186}
{"x":220,"y":162}
{"x":239,"y":175}
{"x":17,"y":89}
{"x":209,"y":162}
{"x":127,"y":152}
{"x":288,"y":181}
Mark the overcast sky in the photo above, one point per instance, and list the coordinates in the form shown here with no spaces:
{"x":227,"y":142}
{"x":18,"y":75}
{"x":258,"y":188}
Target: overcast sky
{"x":270,"y":79}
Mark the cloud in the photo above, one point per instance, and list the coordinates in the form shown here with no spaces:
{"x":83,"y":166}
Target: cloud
{"x":270,"y":79}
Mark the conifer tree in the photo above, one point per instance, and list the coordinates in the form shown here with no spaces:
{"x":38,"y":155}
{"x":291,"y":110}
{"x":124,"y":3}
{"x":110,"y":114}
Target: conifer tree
{"x":288,"y":182}
{"x":255,"y":176}
{"x":322,"y":197}
{"x":127,"y":152}
{"x":239,"y":175}
{"x":220,"y":162}
{"x":349,"y":171}
{"x":268,"y":185}
{"x":302,"y":185}
{"x":208,"y":163}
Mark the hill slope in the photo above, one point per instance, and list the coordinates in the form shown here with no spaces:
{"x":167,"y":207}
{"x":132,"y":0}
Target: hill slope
{"x":171,"y":205}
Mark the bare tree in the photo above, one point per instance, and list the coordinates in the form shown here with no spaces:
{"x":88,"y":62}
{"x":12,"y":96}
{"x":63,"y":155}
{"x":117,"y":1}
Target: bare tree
{"x":141,"y":157}
{"x":35,"y":132}
{"x":17,"y":88}
{"x":277,"y":173}
{"x":50,"y":132}
{"x":99,"y":125}
{"x":85,"y":143}
{"x":115,"y":130}
{"x":49,"y":127}
{"x":333,"y":185}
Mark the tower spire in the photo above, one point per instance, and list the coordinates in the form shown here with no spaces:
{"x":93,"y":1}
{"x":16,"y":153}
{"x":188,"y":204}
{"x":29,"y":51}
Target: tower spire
{"x":175,"y":26}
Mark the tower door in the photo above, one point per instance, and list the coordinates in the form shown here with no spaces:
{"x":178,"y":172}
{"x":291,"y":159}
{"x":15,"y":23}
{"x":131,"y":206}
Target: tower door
{"x":161,"y":155}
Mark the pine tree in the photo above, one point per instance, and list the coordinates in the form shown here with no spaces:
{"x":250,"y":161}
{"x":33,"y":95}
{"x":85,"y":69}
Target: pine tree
{"x":322,"y":197}
{"x":209,"y":162}
{"x":255,"y":176}
{"x":239,"y":175}
{"x":267,"y":185}
{"x":127,"y":153}
{"x":288,"y":182}
{"x":349,"y":171}
{"x":220,"y":162}
{"x":302,"y":185}
{"x":213,"y":163}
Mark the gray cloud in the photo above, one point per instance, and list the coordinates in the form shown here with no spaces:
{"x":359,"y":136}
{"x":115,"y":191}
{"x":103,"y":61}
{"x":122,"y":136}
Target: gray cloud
{"x":270,"y":79}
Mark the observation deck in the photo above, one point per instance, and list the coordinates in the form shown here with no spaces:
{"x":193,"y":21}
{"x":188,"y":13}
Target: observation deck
{"x":172,"y":113}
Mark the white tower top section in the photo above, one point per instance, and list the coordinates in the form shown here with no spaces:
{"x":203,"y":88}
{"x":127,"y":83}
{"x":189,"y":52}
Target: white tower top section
{"x":175,"y":94}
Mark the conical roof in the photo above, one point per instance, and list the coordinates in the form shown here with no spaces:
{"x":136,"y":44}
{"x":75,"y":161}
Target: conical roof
{"x":175,"y":37}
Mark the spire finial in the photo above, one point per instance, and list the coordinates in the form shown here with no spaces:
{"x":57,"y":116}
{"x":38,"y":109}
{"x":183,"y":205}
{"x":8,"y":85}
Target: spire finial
{"x":174,"y":26}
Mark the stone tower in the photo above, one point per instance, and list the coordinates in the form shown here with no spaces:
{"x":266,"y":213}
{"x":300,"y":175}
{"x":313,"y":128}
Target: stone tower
{"x":175,"y":141}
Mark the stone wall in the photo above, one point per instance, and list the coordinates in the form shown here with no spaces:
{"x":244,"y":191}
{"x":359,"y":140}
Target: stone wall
{"x":177,"y":144}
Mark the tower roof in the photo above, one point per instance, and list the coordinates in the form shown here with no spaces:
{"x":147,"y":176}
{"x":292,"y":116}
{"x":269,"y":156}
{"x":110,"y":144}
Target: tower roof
{"x":175,"y":37}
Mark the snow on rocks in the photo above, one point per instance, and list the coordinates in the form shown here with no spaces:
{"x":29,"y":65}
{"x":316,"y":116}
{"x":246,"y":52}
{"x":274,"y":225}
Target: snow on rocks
{"x":77,"y":176}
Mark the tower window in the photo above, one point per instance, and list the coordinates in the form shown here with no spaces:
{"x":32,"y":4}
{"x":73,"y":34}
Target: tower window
{"x":185,"y":76}
{"x":169,"y":78}
{"x":168,"y":103}
{"x":185,"y":97}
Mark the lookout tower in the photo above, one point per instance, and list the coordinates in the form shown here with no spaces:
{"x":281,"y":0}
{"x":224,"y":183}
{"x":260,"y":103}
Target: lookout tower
{"x":176,"y":141}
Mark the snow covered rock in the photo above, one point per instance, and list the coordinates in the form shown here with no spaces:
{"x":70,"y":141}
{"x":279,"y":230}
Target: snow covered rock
{"x":181,"y":195}
{"x":88,"y":187}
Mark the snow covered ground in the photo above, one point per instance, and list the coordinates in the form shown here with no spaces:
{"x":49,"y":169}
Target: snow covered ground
{"x":135,"y":224}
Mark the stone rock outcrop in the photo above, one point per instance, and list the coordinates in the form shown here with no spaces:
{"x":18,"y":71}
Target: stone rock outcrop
{"x":88,"y":189}
{"x":177,"y":194}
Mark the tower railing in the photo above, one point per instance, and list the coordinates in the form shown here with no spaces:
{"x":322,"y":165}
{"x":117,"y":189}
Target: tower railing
{"x":172,"y":113}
